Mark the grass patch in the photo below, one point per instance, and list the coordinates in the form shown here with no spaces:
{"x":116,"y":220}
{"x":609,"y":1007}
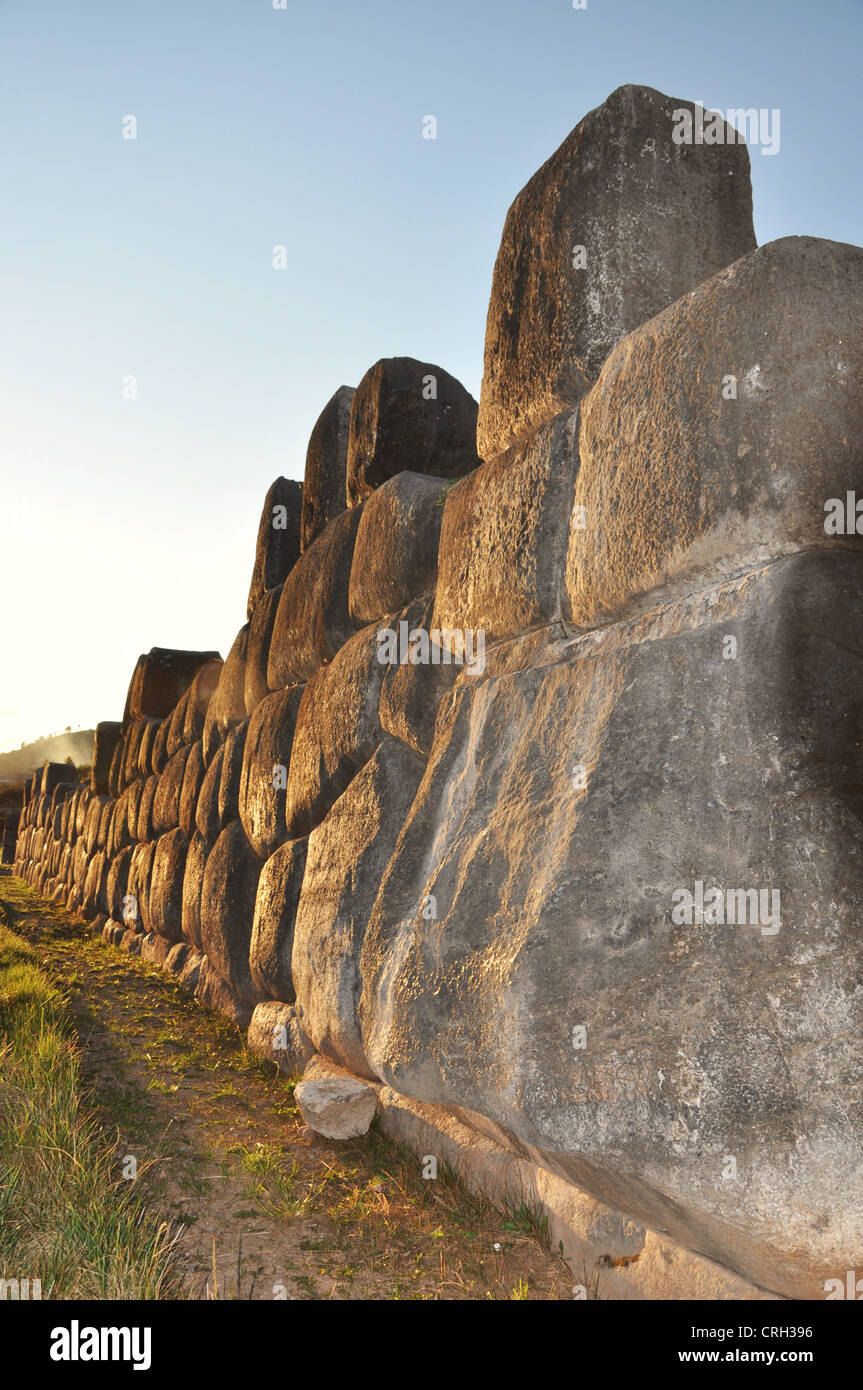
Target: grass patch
{"x":67,"y":1216}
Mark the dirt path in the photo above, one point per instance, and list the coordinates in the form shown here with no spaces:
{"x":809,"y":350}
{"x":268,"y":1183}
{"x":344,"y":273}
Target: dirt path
{"x":262,"y":1207}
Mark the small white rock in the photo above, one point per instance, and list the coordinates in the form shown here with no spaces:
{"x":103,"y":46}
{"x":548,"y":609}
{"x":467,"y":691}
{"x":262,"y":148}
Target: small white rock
{"x":337,"y":1107}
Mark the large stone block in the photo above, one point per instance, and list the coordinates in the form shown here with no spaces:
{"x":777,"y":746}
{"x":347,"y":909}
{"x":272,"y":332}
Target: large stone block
{"x":276,"y":904}
{"x":337,"y":731}
{"x":278,"y":544}
{"x":529,"y":956}
{"x":118,"y":882}
{"x":131,"y":748}
{"x":166,"y":885}
{"x":213,"y":993}
{"x":145,"y":747}
{"x":412,"y":691}
{"x":159,"y":748}
{"x":232,"y":774}
{"x":408,"y":414}
{"x":228,"y":909}
{"x":312,"y":620}
{"x":346,"y":860}
{"x":201,"y":692}
{"x":119,"y":834}
{"x":615,"y":226}
{"x":324,"y":484}
{"x":177,"y":724}
{"x":105,"y":739}
{"x":207,"y":810}
{"x":193,"y":777}
{"x":266,"y":758}
{"x":276,"y":1034}
{"x":503,"y":542}
{"x":166,"y":808}
{"x":105,"y":821}
{"x":159,"y":679}
{"x":193,"y":883}
{"x":144,"y":827}
{"x":84,"y":798}
{"x":140,"y":877}
{"x":80,"y":860}
{"x":227,"y":706}
{"x":255,"y":686}
{"x":95,"y":895}
{"x":339,"y":1107}
{"x":718,"y":432}
{"x":52,"y":775}
{"x":95,"y":808}
{"x":396,"y":552}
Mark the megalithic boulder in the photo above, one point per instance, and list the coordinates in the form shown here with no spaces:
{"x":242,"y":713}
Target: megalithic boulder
{"x":278,"y":545}
{"x":324,"y":488}
{"x":105,"y":740}
{"x":159,"y":679}
{"x":623,"y":219}
{"x":408,"y":414}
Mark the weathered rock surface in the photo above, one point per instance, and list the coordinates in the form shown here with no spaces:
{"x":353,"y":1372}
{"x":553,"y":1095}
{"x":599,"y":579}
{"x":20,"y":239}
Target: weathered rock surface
{"x":336,"y":732}
{"x":276,"y":903}
{"x":278,"y":544}
{"x":504,"y":538}
{"x":228,"y":908}
{"x":145,"y":747}
{"x":207,"y":821}
{"x":276,"y":1034}
{"x":213,"y":993}
{"x":227,"y":706}
{"x":159,"y":679}
{"x":140,"y":875}
{"x":52,"y":775}
{"x":312,"y":620}
{"x":193,"y":883}
{"x":159,"y":750}
{"x":131,"y":747}
{"x":105,"y":740}
{"x":177,"y":724}
{"x":324,"y":483}
{"x":166,"y":808}
{"x":413,"y":415}
{"x":412,"y":691}
{"x":144,"y":828}
{"x":117,"y":883}
{"x":553,"y":879}
{"x":201,"y":692}
{"x":654,"y":218}
{"x":264,"y":779}
{"x":232,"y":774}
{"x":255,"y":687}
{"x":116,"y":769}
{"x":193,"y":777}
{"x":346,"y":859}
{"x":681,"y":486}
{"x":396,"y":552}
{"x":95,"y":894}
{"x":339,"y":1107}
{"x":166,"y":885}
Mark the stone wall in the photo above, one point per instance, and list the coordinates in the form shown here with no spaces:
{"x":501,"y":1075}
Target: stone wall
{"x":529,"y":793}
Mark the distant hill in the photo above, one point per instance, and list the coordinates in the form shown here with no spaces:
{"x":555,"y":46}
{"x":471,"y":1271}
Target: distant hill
{"x":21,"y":762}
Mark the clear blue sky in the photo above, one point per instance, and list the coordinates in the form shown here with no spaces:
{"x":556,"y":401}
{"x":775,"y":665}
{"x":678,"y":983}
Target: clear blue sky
{"x":131,"y":523}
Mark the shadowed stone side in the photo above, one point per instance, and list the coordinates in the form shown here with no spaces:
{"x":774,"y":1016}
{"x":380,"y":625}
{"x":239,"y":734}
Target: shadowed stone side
{"x":408,"y":415}
{"x":324,"y":487}
{"x":278,"y":544}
